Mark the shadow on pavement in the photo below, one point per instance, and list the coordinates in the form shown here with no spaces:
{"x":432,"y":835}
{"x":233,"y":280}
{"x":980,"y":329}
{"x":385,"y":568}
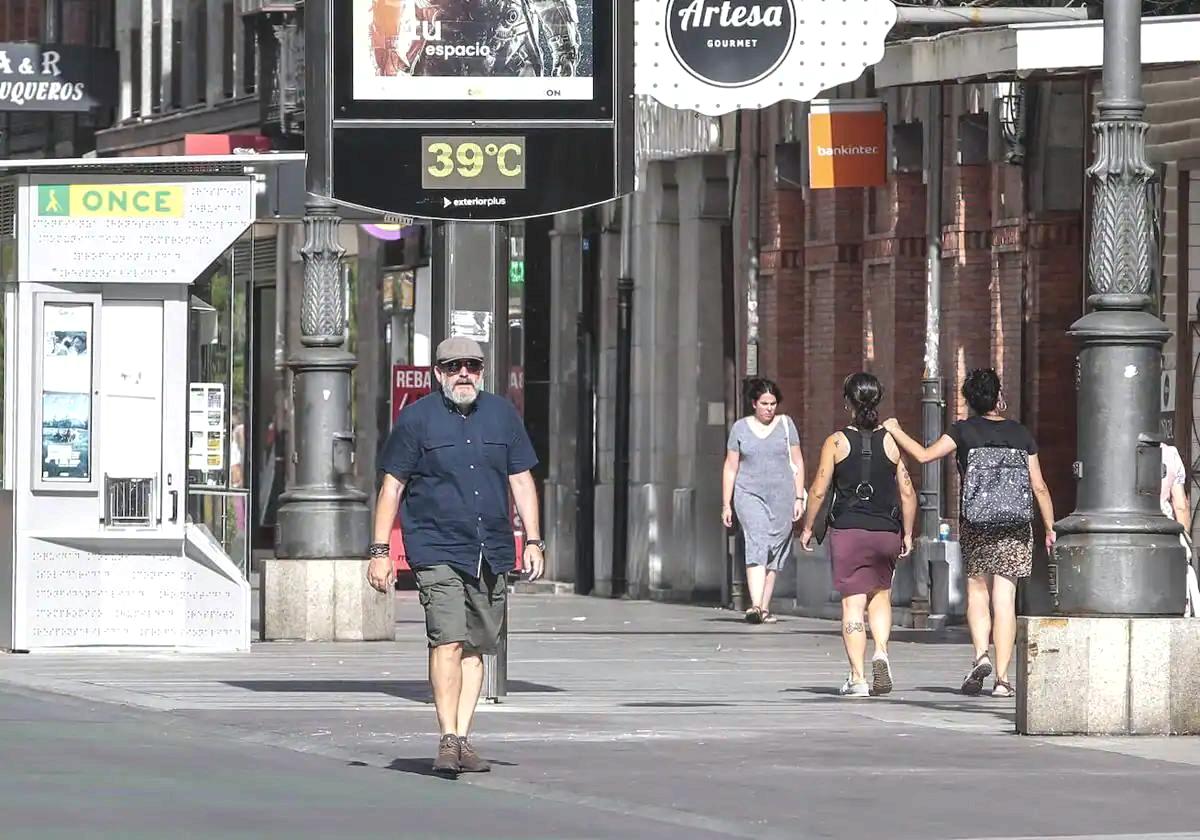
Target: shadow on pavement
{"x":677,"y":705}
{"x":953,"y":636}
{"x":970,"y":706}
{"x":417,"y":690}
{"x":424,"y":767}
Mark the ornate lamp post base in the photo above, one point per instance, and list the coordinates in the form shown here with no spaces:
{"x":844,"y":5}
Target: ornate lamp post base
{"x":1114,"y":661}
{"x":1117,"y":554}
{"x":316,"y":586}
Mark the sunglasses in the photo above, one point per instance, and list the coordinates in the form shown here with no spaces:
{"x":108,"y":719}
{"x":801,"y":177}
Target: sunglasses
{"x":455,"y":365}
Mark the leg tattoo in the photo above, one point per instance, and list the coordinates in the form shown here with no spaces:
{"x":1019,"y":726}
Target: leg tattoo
{"x":853,"y":627}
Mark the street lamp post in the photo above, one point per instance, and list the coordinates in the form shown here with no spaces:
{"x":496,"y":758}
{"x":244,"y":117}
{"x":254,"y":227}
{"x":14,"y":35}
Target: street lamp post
{"x":315,"y":587}
{"x":1117,"y":554}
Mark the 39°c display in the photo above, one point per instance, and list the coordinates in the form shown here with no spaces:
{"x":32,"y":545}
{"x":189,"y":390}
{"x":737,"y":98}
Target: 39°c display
{"x":463,"y":162}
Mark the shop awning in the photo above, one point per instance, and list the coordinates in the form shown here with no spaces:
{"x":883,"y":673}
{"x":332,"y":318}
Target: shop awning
{"x":1029,"y":49}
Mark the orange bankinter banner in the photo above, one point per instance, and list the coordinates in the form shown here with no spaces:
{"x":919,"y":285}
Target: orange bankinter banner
{"x":847,"y":144}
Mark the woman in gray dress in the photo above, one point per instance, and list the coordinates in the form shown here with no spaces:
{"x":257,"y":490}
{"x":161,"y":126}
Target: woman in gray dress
{"x":763,"y":481}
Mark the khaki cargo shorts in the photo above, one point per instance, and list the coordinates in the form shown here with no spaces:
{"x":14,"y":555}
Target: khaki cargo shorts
{"x":462,"y":608}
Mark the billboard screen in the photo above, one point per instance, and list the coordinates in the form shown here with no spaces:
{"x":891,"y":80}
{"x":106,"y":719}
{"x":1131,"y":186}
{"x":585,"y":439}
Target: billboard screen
{"x":473,"y":50}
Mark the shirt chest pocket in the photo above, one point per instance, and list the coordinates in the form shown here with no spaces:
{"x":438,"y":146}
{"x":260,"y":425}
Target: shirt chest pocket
{"x":440,"y":454}
{"x":495,"y":452}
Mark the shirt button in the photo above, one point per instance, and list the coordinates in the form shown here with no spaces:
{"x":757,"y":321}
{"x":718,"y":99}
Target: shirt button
{"x":472,"y":466}
{"x":476,"y":492}
{"x":468,"y":440}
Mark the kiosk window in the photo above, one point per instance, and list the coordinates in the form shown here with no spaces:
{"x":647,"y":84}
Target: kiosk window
{"x":67,"y":346}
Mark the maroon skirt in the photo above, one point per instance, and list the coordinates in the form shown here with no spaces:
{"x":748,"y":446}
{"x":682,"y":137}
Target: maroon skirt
{"x":863,"y":561}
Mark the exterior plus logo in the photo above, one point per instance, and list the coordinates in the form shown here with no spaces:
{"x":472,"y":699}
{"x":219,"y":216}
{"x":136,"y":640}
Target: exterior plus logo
{"x":731,"y":44}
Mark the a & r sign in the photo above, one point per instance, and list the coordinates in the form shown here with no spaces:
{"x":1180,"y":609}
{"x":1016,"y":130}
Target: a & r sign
{"x":42,"y":77}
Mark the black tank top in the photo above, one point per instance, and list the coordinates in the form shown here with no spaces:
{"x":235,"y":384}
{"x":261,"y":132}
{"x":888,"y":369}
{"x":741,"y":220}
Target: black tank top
{"x":879,"y":512}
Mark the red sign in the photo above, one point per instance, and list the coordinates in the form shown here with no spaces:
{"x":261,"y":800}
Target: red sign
{"x":409,"y":384}
{"x":225,"y":144}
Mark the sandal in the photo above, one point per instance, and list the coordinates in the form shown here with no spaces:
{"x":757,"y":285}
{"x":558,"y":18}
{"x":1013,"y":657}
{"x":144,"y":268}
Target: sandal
{"x":972,"y":684}
{"x":1002,"y":689}
{"x":754,"y":615}
{"x":769,"y":617}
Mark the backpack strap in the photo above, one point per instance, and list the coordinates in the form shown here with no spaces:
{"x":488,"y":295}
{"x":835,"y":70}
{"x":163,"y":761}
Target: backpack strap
{"x":865,"y":490}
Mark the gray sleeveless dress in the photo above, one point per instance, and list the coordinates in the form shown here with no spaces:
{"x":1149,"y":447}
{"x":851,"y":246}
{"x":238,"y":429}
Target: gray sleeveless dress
{"x":764,"y":494}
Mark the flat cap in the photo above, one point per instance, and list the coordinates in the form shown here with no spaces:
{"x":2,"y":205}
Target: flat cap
{"x":458,"y":347}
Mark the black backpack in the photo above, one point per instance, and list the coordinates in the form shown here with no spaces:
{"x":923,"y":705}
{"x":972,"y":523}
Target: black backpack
{"x":995,"y":490}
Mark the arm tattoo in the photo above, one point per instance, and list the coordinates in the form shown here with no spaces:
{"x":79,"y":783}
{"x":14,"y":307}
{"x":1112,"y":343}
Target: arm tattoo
{"x":905,"y":480}
{"x":852,"y":627}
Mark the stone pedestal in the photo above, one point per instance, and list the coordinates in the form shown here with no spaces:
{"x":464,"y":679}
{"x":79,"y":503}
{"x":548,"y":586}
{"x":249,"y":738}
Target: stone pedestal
{"x":1108,"y":676}
{"x":324,"y":600}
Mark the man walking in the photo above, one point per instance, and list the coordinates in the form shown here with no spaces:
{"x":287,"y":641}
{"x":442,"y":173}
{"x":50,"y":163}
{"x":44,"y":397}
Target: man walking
{"x":452,"y":457}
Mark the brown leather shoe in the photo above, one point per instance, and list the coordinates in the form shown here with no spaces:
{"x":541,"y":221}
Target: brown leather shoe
{"x":447,"y":761}
{"x":470,"y":761}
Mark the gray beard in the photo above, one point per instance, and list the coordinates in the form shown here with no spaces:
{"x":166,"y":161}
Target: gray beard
{"x":461,"y":400}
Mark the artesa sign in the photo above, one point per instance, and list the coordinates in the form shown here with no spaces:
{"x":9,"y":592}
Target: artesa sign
{"x":727,"y":45}
{"x":41,"y":77}
{"x":847,"y":144}
{"x":715,"y":56}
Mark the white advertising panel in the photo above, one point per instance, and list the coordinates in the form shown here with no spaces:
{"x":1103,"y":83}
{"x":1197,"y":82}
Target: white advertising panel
{"x":716,"y":56}
{"x":477,"y":50}
{"x":129,"y":230}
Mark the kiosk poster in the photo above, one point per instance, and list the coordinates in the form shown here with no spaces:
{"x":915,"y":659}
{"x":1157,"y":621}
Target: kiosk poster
{"x":474,"y":50}
{"x":206,"y":427}
{"x":67,"y":391}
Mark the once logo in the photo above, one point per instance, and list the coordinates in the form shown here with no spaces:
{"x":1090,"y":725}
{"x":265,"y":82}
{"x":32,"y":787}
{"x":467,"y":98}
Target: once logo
{"x":730,"y":44}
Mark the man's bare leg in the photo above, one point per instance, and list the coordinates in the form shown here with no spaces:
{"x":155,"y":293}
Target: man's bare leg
{"x":446,"y":678}
{"x":468,"y":697}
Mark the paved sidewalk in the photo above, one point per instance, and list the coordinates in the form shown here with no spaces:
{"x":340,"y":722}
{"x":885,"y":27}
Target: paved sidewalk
{"x":683,"y":718}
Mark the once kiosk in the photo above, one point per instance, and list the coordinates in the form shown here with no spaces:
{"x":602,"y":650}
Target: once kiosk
{"x":96,"y":260}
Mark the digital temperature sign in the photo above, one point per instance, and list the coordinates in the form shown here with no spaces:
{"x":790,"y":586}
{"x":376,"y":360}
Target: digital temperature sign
{"x":470,"y":110}
{"x":472,"y":163}
{"x":462,"y":174}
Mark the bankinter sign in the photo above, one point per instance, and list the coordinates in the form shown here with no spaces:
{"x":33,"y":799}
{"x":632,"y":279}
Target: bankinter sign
{"x":847,"y":144}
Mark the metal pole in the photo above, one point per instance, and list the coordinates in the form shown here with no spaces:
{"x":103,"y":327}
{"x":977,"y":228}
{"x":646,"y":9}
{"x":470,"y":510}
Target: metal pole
{"x":322,"y":516}
{"x":1118,"y":555}
{"x":733,"y":592}
{"x":585,"y":569}
{"x":621,"y":432}
{"x":932,"y":403}
{"x":977,"y":16}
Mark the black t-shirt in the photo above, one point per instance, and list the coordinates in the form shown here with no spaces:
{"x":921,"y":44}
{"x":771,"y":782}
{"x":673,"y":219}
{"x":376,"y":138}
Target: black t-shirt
{"x":975,"y":432}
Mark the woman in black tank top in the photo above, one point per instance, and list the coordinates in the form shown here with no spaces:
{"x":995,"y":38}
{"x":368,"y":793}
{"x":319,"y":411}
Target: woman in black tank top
{"x":871,"y":520}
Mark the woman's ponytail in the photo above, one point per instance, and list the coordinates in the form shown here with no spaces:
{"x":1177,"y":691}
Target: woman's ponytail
{"x":864,"y":392}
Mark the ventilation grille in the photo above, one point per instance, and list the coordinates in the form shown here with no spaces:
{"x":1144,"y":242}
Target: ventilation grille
{"x":167,"y":167}
{"x":8,"y":210}
{"x":128,"y":502}
{"x":255,"y":260}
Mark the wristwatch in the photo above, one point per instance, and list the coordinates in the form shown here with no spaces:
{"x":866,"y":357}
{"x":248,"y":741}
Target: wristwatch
{"x":540,"y":545}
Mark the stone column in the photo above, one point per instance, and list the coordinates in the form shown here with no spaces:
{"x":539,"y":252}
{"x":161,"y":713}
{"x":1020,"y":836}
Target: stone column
{"x":698,"y":558}
{"x":315,"y":588}
{"x":655,"y":381}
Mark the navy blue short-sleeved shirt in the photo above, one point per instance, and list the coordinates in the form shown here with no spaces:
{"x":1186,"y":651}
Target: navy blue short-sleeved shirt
{"x":455,"y":468}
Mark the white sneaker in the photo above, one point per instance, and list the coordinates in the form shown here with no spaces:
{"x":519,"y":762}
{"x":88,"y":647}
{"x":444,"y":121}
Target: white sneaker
{"x":855,"y":689}
{"x":881,"y":674}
